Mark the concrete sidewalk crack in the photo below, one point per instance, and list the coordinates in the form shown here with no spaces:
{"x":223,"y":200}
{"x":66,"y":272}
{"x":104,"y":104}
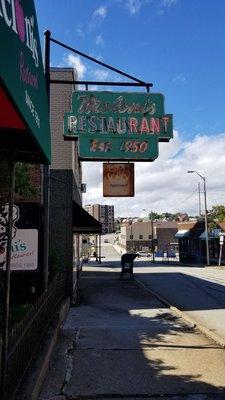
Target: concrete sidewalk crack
{"x":69,"y":367}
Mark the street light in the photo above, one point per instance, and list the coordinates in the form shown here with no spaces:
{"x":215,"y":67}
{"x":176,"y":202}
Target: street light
{"x":206,"y":222}
{"x":153,"y":243}
{"x":131,"y":234}
{"x":152,"y":232}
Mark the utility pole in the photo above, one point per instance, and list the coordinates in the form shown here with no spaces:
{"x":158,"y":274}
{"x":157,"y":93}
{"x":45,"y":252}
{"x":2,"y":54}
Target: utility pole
{"x":199,"y":199}
{"x":206,"y":225}
{"x":153,"y":244}
{"x":206,"y":222}
{"x":131,"y":234}
{"x":99,"y":249}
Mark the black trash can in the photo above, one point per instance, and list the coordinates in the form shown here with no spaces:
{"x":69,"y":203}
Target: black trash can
{"x":127,"y":260}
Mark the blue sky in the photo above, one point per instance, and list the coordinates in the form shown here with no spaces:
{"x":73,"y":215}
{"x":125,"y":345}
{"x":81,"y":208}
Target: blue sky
{"x":178,"y":45}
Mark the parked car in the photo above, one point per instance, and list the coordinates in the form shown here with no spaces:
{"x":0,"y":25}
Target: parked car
{"x":106,"y":241}
{"x":143,"y":253}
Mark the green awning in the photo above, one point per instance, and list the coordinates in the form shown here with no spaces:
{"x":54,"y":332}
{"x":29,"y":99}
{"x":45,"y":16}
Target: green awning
{"x":83,"y":222}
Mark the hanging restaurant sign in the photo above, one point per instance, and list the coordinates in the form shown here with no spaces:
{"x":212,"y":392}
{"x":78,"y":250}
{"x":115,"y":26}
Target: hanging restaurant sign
{"x":118,"y":125}
{"x":118,"y":179}
{"x":23,"y":83}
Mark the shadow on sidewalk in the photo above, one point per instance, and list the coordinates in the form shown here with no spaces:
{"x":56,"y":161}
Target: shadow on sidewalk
{"x":128,"y":344}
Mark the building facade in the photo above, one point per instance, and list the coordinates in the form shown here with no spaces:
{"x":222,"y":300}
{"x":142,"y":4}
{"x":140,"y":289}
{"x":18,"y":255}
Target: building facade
{"x":65,"y":176}
{"x":192,"y":242}
{"x":165,"y":236}
{"x":68,"y":220}
{"x":148,"y":236}
{"x":104,"y":214}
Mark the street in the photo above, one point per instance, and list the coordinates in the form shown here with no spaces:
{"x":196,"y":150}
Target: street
{"x":122,"y":341}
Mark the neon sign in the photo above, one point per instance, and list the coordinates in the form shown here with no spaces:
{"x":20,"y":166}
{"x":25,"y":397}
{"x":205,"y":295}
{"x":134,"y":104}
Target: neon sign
{"x":118,"y":125}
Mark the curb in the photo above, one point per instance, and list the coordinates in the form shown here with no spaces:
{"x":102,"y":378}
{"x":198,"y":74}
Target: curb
{"x":34,"y":379}
{"x":207,"y":332}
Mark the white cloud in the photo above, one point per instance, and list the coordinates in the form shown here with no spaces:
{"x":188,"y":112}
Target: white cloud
{"x":179,"y":78}
{"x":79,"y":30}
{"x":133,"y":6}
{"x":164,"y":185}
{"x":93,"y":88}
{"x":101,"y":74}
{"x":99,"y":40}
{"x":100,"y":12}
{"x":163,"y":5}
{"x":75,"y":62}
{"x":97,"y":17}
{"x":169,"y":3}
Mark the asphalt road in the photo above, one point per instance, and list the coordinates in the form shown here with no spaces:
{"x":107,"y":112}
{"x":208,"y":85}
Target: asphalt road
{"x":198,"y":292}
{"x":122,"y":341}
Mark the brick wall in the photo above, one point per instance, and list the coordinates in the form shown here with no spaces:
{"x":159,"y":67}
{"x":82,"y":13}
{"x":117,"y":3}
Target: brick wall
{"x":65,"y":173}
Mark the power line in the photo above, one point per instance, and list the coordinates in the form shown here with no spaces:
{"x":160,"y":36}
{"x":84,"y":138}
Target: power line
{"x":189,"y":196}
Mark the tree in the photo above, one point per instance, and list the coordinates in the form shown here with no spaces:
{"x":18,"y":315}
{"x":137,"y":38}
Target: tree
{"x":155,"y":216}
{"x":218,"y":213}
{"x":23,"y":184}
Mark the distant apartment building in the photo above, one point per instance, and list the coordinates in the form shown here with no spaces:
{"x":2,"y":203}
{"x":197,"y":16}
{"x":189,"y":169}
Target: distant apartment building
{"x":104,"y":214}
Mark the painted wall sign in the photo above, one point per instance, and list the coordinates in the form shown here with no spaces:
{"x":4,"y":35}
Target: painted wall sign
{"x":25,"y":236}
{"x":118,"y":125}
{"x":21,"y":71}
{"x":118,"y":180}
{"x":24,"y":251}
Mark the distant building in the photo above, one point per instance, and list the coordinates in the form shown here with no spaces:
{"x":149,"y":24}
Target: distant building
{"x":104,"y":214}
{"x":182,"y":217}
{"x":192,"y":242}
{"x":190,"y":245}
{"x":147,"y":235}
{"x":164,"y":233}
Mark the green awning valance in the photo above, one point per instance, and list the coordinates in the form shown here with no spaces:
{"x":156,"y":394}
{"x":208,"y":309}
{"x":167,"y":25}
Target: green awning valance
{"x":83,"y":222}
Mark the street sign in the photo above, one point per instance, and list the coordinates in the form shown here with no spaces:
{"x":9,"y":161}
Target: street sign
{"x":221,"y":238}
{"x":22,"y":76}
{"x":101,"y":147}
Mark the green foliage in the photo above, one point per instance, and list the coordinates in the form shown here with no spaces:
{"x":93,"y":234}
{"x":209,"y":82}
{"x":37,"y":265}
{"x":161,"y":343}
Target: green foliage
{"x":155,"y":216}
{"x":23,"y":184}
{"x":164,"y":216}
{"x":217,"y":212}
{"x":212,"y":225}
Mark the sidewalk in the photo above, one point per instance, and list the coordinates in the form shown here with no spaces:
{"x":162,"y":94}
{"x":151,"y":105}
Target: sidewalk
{"x":119,"y":249}
{"x":123,"y":342}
